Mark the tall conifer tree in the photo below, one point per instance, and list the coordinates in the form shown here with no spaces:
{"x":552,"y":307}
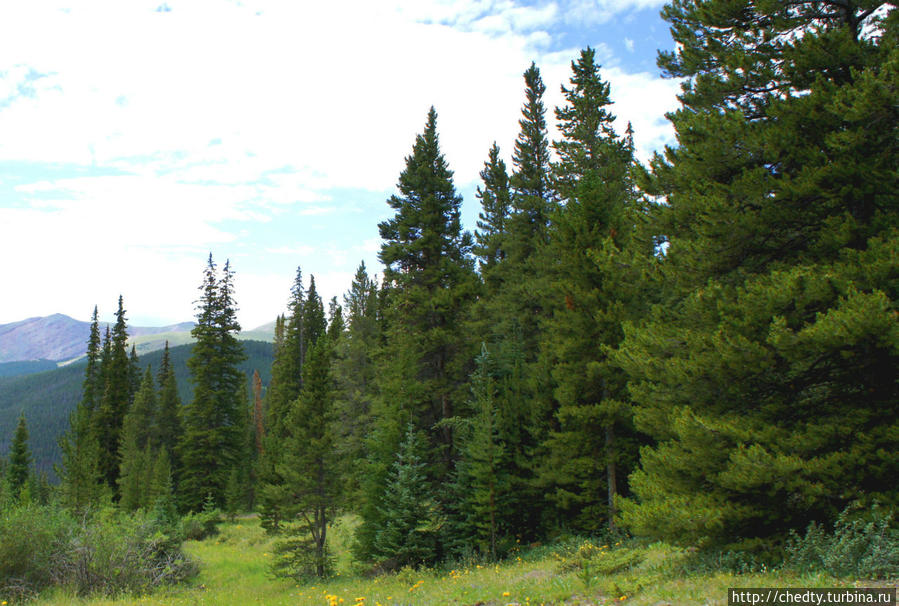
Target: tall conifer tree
{"x":213,"y":437}
{"x":18,"y":468}
{"x":431,"y":286}
{"x":168,"y":418}
{"x":597,"y":280}
{"x":117,"y":394}
{"x":79,"y":471}
{"x":495,"y":200}
{"x":778,"y":337}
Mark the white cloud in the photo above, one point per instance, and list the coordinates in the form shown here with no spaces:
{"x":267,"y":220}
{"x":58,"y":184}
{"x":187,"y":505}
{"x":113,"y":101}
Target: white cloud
{"x":601,"y":11}
{"x":218,"y":114}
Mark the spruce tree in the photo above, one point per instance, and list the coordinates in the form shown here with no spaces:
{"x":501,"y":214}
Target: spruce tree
{"x":510,"y":315}
{"x":777,"y":340}
{"x":482,"y":471}
{"x":408,"y":535}
{"x":18,"y":467}
{"x":139,"y":446}
{"x":596,"y":275}
{"x":168,"y":415}
{"x":355,"y":374}
{"x":495,"y":200}
{"x":287,"y":368}
{"x":92,"y":387}
{"x":117,"y":394}
{"x":531,"y":191}
{"x":79,"y":471}
{"x":431,"y":284}
{"x":310,"y":466}
{"x":427,"y":258}
{"x":213,"y":438}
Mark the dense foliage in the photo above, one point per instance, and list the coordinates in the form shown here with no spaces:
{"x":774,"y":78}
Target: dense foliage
{"x":702,"y":350}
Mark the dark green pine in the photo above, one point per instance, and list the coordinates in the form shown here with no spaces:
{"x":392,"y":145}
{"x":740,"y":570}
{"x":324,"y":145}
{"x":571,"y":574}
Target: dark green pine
{"x":427,"y":258}
{"x":92,"y":386}
{"x":168,"y":418}
{"x":117,"y":394}
{"x":590,"y":448}
{"x":495,"y":198}
{"x":290,"y":349}
{"x":767,"y":379}
{"x":213,"y":438}
{"x":311,"y":467}
{"x":429,"y":285}
{"x":531,"y":192}
{"x":355,"y":373}
{"x":18,"y":467}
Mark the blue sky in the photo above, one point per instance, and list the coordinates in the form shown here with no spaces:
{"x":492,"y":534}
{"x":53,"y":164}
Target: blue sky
{"x":136,"y":137}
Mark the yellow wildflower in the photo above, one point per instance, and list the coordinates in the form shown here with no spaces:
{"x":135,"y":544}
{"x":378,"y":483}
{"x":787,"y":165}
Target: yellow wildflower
{"x":506,"y":594}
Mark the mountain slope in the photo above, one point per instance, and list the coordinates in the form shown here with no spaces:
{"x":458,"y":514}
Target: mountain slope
{"x":59,"y":337}
{"x":47,"y":398}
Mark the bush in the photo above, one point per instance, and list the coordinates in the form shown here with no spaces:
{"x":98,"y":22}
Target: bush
{"x":198,"y":526}
{"x":34,"y":541}
{"x":103,"y":552}
{"x":860,"y":547}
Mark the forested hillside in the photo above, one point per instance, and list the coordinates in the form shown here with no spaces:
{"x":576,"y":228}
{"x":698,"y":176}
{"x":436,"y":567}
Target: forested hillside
{"x":47,"y":398}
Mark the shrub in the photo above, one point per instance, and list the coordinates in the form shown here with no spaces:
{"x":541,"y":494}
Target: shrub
{"x":104,"y":551}
{"x":198,"y":526}
{"x":860,"y":547}
{"x":34,"y":540}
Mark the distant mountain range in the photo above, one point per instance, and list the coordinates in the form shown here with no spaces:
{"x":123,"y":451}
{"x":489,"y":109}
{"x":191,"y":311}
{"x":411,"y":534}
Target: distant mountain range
{"x":59,"y":338}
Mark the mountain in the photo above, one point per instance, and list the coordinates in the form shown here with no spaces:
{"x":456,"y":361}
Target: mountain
{"x":58,"y":337}
{"x":47,"y":398}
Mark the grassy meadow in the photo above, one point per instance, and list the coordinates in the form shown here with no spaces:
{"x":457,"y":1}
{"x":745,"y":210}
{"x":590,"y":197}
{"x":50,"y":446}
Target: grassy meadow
{"x":234,"y":570}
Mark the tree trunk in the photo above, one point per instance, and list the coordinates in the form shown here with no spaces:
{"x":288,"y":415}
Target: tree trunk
{"x":610,"y":473}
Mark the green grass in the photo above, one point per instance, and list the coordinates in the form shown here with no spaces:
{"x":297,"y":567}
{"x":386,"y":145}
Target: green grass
{"x":234,"y":570}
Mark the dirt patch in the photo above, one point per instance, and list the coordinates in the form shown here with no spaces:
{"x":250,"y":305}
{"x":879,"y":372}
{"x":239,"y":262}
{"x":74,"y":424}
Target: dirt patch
{"x":535,"y":575}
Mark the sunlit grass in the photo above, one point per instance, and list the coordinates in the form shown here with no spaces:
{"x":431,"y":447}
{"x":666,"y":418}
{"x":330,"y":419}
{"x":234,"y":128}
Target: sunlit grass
{"x":234,"y":570}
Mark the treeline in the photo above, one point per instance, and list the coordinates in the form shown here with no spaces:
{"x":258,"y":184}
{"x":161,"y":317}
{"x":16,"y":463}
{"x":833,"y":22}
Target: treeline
{"x":702,"y":350}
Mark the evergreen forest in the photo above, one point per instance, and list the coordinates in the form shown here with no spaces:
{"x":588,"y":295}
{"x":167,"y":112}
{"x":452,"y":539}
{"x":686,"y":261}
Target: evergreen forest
{"x":699,"y":351}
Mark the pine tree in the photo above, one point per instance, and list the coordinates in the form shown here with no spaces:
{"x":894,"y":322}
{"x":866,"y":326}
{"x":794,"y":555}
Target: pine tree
{"x":304,"y":327}
{"x":431,"y":284}
{"x":18,"y":468}
{"x":777,"y":337}
{"x":160,"y":486}
{"x":496,"y":202}
{"x":79,"y":471}
{"x":117,"y":394}
{"x":92,"y":387}
{"x":287,"y":378}
{"x":213,"y":438}
{"x":427,"y":257}
{"x":354,"y":373}
{"x":258,"y":416}
{"x":139,"y":446}
{"x":310,"y":466}
{"x":409,"y":534}
{"x":482,"y":472}
{"x":531,"y":201}
{"x":335,"y":320}
{"x":168,"y":415}
{"x":134,"y":368}
{"x":597,"y":280}
{"x":510,"y":315}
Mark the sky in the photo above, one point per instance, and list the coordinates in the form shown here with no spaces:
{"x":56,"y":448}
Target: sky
{"x":136,"y":137}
